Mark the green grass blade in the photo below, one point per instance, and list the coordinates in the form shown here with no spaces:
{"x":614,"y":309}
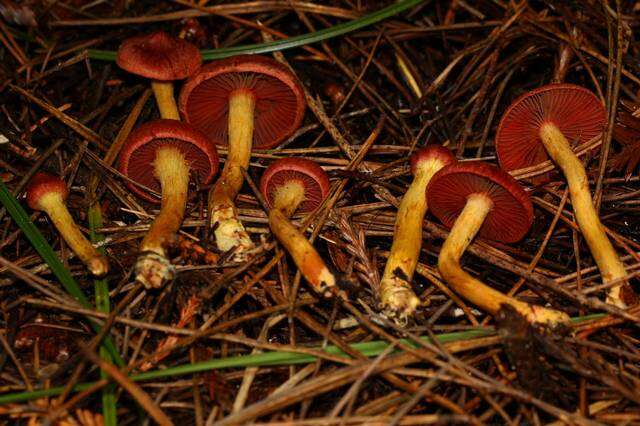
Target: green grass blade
{"x":101,"y":289}
{"x":369,"y":349}
{"x":49,"y":255}
{"x":272,"y":359}
{"x":263,"y":359}
{"x":291,"y":42}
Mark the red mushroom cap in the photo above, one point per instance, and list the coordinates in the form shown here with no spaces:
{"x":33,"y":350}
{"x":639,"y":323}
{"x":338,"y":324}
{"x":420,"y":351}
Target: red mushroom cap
{"x":159,"y":56}
{"x":429,"y":153}
{"x":139,"y":153}
{"x":307,"y":172}
{"x":576,"y":111}
{"x":279,"y":98}
{"x":512,"y":213}
{"x":42,"y":184}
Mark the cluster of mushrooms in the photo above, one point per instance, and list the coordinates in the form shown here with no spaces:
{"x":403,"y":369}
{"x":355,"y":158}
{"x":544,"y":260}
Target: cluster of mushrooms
{"x":247,"y":102}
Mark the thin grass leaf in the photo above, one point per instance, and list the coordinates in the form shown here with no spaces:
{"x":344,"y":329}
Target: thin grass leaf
{"x":269,"y":359}
{"x":48,"y":254}
{"x":101,"y":289}
{"x":291,"y":42}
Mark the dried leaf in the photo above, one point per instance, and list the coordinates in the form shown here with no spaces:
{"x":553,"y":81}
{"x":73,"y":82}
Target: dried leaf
{"x":19,"y":14}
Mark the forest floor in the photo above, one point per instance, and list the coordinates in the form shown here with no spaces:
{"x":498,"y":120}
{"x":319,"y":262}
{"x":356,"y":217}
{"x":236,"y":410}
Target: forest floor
{"x":252,"y":342}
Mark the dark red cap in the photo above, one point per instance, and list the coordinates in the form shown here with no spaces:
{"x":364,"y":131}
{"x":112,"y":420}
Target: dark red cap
{"x":512,"y":213}
{"x":139,"y":153}
{"x":429,"y":153}
{"x":279,"y":98}
{"x":159,"y":56}
{"x":307,"y":172}
{"x":576,"y":111}
{"x":42,"y":184}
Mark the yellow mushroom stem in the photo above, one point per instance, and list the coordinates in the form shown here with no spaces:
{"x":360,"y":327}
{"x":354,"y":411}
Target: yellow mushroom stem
{"x":163,"y":91}
{"x":223,"y":216}
{"x":486,"y":298}
{"x":611,"y":268}
{"x":172,"y":171}
{"x":396,"y":295}
{"x":53,"y":205}
{"x":286,"y":200}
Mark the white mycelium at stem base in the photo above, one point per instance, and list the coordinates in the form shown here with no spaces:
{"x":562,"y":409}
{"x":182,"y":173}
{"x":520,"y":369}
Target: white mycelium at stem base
{"x":396,"y":295}
{"x":53,"y":204}
{"x":229,"y":231}
{"x":611,"y":268}
{"x":286,"y":200}
{"x":163,"y":92}
{"x":172,"y":171}
{"x":462,"y":233}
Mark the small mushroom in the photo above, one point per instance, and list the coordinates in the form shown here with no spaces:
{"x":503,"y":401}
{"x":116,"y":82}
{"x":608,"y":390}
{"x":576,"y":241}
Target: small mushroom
{"x":545,"y":123}
{"x":163,"y":59}
{"x":335,"y":92}
{"x":296,"y":184}
{"x":479,"y":199}
{"x":48,"y":193}
{"x":161,"y":155}
{"x":242,"y":101}
{"x":396,"y":295}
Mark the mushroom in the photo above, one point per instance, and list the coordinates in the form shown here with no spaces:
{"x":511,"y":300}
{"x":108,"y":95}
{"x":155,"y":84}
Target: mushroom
{"x":297,"y":184}
{"x":161,"y":155}
{"x":396,"y":295}
{"x":48,"y":193}
{"x":162,"y":58}
{"x":477,"y":198}
{"x":545,"y":123}
{"x":242,"y":101}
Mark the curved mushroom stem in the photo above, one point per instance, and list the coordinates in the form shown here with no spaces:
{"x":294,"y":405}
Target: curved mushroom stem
{"x":163,"y":91}
{"x":286,"y":200}
{"x":171,"y":169}
{"x":464,"y":230}
{"x":396,"y":295}
{"x":54,"y":206}
{"x":228,"y":229}
{"x":611,"y":268}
